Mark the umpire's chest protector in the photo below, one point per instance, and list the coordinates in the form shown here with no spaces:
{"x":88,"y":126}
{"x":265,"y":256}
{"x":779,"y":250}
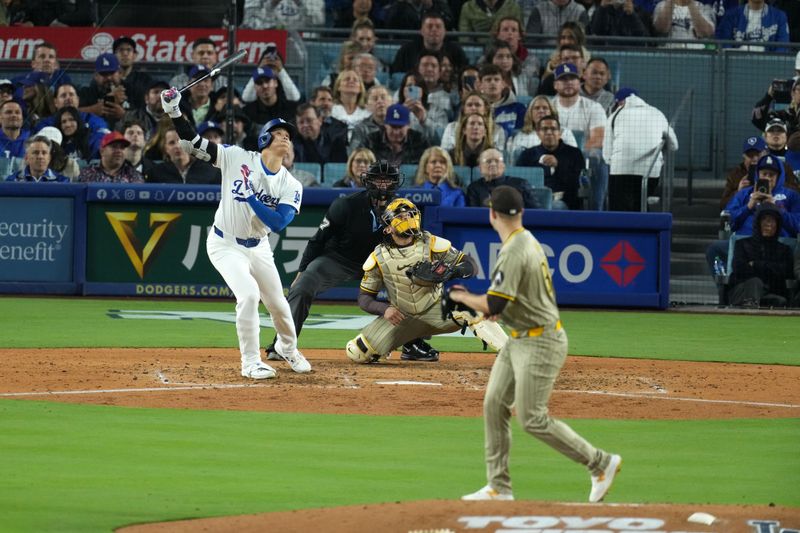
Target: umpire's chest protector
{"x":401,"y":292}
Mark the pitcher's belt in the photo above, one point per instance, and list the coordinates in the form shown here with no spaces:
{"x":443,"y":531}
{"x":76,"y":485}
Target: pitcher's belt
{"x":533,"y":332}
{"x":247,"y":243}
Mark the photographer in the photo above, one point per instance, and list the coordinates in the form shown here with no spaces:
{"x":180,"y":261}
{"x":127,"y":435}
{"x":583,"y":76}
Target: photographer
{"x":779,"y":92}
{"x":272,"y":59}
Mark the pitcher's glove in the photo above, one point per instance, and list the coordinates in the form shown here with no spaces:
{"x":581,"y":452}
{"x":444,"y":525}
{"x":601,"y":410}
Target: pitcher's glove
{"x":428,"y":274}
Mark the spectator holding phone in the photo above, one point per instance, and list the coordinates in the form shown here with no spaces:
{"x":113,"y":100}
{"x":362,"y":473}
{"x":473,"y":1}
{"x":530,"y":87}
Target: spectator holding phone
{"x":272,"y":59}
{"x":741,"y":176}
{"x":105,"y":95}
{"x":779,"y":92}
{"x":769,"y":188}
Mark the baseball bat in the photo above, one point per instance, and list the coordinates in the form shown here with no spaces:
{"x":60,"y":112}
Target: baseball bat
{"x":216,"y":69}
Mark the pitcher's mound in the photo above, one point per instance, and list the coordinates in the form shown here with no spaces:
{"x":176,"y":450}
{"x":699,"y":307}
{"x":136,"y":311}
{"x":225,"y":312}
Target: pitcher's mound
{"x":445,"y":516}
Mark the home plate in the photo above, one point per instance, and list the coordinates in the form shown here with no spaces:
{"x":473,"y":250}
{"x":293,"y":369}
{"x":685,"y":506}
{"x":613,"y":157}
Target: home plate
{"x":425,"y":383}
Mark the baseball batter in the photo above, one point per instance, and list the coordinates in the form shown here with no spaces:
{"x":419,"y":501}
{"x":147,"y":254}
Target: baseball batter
{"x":259,"y":196}
{"x":412,"y":310}
{"x":521,"y":294}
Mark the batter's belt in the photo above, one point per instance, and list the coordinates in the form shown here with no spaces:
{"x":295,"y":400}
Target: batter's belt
{"x":247,"y":243}
{"x":533,"y":332}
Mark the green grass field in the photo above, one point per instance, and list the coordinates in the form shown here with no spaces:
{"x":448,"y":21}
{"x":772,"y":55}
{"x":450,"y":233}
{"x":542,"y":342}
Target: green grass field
{"x":71,"y":467}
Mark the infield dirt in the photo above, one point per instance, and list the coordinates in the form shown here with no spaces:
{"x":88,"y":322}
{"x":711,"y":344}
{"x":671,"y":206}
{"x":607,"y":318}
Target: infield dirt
{"x":588,"y":387}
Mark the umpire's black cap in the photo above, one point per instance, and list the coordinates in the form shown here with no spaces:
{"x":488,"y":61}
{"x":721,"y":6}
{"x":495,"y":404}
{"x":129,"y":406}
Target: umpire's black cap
{"x":507,"y":200}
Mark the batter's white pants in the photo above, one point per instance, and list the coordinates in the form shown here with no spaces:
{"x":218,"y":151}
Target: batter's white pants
{"x":251,"y":275}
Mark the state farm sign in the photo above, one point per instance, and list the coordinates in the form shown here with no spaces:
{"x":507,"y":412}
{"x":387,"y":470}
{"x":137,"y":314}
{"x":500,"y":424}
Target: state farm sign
{"x":154,"y":45}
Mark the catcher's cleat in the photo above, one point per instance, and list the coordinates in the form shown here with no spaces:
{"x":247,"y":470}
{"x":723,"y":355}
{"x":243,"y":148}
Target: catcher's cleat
{"x":601,"y":483}
{"x":487,"y":493}
{"x":419,"y":350}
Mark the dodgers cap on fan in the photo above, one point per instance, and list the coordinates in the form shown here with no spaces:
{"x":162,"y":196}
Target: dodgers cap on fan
{"x":197,"y":71}
{"x":566,"y":69}
{"x":106,"y":63}
{"x":209,"y":125}
{"x":769,"y":161}
{"x":33,"y":77}
{"x":397,"y":115}
{"x":754,"y":143}
{"x":623,"y":93}
{"x":264,"y":72}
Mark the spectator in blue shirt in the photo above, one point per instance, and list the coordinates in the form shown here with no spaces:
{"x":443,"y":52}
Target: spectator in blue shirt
{"x":38,"y":156}
{"x":436,"y":171}
{"x":773,"y":27}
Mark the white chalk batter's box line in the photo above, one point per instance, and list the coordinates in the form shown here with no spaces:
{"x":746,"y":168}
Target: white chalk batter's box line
{"x":213,"y":386}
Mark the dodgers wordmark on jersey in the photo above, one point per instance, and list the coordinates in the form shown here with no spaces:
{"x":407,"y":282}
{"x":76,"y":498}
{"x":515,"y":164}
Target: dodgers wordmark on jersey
{"x":233,"y":215}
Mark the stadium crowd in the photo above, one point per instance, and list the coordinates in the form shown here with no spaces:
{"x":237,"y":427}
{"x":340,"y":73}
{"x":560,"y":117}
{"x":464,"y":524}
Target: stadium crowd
{"x":454,"y":120}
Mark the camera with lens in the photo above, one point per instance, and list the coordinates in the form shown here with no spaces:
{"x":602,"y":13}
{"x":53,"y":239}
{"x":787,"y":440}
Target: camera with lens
{"x":782,"y":91}
{"x":762,"y":185}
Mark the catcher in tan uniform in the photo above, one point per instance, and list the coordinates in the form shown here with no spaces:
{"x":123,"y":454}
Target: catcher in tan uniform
{"x":521,"y":295}
{"x":411,"y":265}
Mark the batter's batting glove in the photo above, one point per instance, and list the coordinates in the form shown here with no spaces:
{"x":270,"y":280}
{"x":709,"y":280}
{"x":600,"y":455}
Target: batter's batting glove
{"x":170,"y":102}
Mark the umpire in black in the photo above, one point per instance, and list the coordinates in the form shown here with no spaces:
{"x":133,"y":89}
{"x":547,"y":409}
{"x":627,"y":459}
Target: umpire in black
{"x":349,"y":232}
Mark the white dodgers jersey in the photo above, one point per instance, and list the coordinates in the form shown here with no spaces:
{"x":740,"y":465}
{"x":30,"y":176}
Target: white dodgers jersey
{"x":234,"y":217}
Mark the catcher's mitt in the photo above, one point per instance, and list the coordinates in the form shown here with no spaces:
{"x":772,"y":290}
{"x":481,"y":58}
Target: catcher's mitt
{"x":428,"y":274}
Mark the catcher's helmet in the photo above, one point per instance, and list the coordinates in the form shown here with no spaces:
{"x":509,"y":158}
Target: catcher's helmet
{"x":403,"y":216}
{"x":265,"y":136}
{"x":381,"y":180}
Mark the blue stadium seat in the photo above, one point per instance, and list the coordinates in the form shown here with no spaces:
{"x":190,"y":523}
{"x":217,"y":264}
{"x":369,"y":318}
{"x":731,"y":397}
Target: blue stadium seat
{"x":544,"y":197}
{"x":313,"y":168}
{"x":333,"y":172}
{"x":525,"y":100}
{"x":395,"y":80}
{"x":533,"y":175}
{"x":410,"y":172}
{"x":7,"y":167}
{"x":465,"y":173}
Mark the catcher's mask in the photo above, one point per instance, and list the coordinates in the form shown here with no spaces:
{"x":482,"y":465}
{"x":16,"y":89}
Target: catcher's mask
{"x":381,"y":180}
{"x":403,"y":216}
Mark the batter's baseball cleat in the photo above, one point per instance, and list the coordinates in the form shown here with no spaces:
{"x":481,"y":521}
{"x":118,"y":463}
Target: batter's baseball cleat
{"x":258,"y":371}
{"x":416,"y":351}
{"x":298,"y":362}
{"x":488,"y":493}
{"x":601,"y":483}
{"x":272,"y":355}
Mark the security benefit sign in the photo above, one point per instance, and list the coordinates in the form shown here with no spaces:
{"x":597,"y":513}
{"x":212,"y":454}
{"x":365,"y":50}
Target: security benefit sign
{"x":160,"y":250}
{"x":614,"y":268}
{"x":36,"y":239}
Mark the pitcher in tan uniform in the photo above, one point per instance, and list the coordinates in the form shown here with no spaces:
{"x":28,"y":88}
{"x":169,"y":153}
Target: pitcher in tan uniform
{"x":521,"y":295}
{"x":412,"y":310}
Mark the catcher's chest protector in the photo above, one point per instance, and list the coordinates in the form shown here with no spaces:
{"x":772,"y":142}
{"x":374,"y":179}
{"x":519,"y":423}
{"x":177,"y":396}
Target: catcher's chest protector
{"x":402,"y":293}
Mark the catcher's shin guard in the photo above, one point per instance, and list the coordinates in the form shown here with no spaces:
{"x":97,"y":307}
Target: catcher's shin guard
{"x":360,"y":351}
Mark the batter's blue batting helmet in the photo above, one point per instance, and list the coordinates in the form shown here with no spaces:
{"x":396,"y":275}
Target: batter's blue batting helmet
{"x":265,"y":137}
